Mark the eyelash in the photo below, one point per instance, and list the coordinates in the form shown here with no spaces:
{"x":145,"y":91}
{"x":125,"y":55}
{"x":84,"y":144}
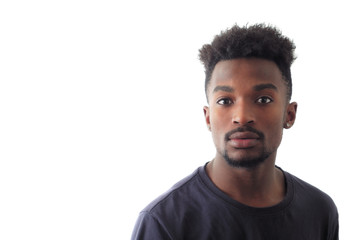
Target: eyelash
{"x":259,"y":100}
{"x":224,"y":99}
{"x":264,"y":97}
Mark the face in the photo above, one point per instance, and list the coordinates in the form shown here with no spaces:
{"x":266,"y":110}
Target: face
{"x":248,"y":109}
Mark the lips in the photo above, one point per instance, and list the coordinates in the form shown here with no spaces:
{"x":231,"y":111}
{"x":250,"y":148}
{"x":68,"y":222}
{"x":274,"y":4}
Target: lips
{"x":244,"y":140}
{"x":244,"y":135}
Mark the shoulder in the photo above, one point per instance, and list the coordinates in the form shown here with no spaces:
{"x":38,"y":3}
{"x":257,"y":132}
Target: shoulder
{"x":314,"y":206}
{"x":308,"y":195}
{"x":164,"y":218}
{"x":308,"y":190}
{"x":149,"y":227}
{"x":176,"y":195}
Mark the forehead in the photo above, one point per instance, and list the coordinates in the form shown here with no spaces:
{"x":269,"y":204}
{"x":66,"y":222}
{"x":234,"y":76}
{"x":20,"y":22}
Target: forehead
{"x":239,"y":73}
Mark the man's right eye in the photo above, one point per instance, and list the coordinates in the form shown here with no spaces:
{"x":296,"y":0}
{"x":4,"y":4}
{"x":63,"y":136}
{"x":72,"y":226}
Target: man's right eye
{"x":224,"y":101}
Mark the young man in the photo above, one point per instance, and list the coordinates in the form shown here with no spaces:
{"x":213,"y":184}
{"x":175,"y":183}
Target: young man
{"x":241,"y":194}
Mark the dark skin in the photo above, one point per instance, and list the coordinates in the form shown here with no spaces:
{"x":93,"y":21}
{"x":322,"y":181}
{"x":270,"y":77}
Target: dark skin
{"x":248,"y":93}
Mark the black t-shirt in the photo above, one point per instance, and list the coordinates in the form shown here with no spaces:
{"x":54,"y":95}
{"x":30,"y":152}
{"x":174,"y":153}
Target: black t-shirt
{"x":196,"y":209}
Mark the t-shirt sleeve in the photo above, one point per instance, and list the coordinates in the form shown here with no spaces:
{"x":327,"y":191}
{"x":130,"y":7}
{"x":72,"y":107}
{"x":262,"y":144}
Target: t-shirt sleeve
{"x":148,"y":227}
{"x":334,"y":230}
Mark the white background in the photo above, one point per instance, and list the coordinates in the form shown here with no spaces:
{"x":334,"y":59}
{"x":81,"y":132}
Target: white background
{"x":101,"y":107}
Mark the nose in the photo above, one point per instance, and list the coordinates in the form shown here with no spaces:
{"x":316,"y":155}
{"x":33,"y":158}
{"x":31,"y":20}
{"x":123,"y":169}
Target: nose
{"x":242,"y":114}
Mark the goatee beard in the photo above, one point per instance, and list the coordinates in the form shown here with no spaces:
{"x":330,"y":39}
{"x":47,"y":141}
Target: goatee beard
{"x":247,"y":163}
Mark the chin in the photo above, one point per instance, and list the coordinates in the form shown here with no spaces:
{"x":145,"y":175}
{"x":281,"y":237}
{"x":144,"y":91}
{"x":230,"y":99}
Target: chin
{"x":249,"y":164}
{"x":245,"y":161}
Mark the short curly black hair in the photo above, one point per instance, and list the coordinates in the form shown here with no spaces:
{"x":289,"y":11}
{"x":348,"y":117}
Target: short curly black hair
{"x":259,"y":41}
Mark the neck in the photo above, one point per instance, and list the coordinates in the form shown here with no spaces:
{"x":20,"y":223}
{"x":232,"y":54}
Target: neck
{"x":261,"y":186}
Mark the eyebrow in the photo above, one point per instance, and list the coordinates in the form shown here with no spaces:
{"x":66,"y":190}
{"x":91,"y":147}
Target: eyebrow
{"x":257,"y":88}
{"x":223,"y":88}
{"x":261,"y":87}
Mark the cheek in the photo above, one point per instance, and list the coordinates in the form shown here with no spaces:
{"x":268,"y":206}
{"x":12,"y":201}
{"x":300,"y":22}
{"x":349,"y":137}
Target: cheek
{"x":219,"y":123}
{"x":275,"y":130}
{"x":218,"y":119}
{"x":277,"y":135}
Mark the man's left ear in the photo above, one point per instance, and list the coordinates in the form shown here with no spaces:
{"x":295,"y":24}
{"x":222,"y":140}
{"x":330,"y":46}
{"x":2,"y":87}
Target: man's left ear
{"x":290,"y":115}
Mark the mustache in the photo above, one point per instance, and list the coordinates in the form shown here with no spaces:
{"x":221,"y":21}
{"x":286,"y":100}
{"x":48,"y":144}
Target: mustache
{"x":244,"y":129}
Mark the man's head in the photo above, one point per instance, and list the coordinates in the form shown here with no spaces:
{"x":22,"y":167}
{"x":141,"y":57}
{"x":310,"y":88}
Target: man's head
{"x":258,"y":41}
{"x":248,"y":86}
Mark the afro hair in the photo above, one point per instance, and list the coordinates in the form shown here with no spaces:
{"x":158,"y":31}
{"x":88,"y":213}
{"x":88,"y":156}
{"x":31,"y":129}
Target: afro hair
{"x":259,"y":41}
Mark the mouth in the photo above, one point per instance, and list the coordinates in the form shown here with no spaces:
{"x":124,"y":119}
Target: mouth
{"x":244,"y":140}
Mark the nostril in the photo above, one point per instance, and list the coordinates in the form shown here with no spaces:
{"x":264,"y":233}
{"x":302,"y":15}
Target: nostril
{"x":243,"y":122}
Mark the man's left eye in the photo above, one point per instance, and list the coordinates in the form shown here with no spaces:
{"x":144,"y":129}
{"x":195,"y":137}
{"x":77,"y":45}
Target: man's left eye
{"x":264,"y":100}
